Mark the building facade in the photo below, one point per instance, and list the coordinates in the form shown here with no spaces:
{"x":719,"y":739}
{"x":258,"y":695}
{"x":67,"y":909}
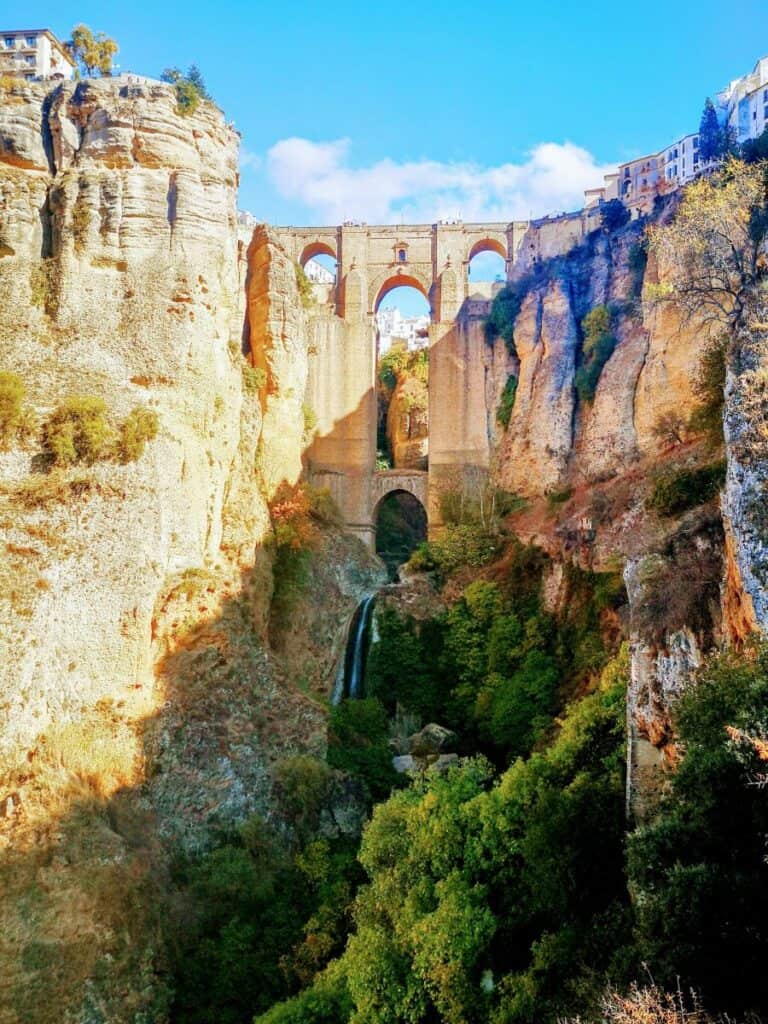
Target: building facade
{"x":744,"y":103}
{"x":34,"y":53}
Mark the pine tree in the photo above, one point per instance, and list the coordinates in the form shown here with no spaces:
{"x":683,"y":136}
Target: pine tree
{"x":710,"y":134}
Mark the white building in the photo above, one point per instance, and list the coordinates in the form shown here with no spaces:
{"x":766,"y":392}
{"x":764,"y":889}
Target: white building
{"x":742,"y":106}
{"x":317,"y":273}
{"x":34,"y":53}
{"x":744,"y":103}
{"x":392,"y":325}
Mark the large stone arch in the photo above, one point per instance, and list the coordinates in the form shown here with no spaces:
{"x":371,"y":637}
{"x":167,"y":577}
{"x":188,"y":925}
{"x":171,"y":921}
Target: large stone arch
{"x":390,"y":279}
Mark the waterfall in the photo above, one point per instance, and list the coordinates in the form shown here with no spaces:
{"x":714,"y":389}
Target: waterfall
{"x":350,"y":676}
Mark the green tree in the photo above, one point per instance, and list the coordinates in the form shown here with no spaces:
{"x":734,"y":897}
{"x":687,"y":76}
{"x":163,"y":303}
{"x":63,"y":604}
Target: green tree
{"x":698,"y":871}
{"x":711,"y":145}
{"x":92,"y":52}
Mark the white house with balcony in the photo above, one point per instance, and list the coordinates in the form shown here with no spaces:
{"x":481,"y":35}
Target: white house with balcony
{"x":34,"y":53}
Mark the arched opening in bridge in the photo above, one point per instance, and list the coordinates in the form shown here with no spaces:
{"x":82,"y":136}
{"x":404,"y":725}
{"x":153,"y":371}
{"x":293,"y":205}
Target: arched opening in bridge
{"x":487,"y":262}
{"x":319,"y":263}
{"x":402,"y":375}
{"x":400,"y":521}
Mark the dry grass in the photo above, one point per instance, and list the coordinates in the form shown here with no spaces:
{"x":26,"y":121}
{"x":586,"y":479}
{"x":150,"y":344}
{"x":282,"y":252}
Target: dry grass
{"x":651,"y":1006}
{"x":43,"y":490}
{"x":96,"y":755}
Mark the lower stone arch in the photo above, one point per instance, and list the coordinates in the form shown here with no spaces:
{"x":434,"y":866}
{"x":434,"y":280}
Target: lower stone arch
{"x":399,"y":525}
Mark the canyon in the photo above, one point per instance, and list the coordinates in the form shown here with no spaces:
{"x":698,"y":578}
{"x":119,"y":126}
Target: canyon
{"x":155,"y":676}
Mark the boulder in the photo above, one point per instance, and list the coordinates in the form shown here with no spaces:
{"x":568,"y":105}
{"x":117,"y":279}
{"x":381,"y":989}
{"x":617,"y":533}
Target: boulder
{"x":432,"y":739}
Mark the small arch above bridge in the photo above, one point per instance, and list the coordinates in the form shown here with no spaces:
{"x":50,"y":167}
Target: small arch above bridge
{"x":489,"y":244}
{"x":318,"y":248}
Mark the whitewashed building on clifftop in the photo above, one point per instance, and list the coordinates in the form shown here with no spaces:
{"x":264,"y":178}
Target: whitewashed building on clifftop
{"x":34,"y":53}
{"x":742,"y":106}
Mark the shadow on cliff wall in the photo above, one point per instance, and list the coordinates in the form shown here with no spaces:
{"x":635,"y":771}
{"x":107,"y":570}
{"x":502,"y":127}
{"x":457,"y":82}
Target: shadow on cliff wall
{"x":92,"y":822}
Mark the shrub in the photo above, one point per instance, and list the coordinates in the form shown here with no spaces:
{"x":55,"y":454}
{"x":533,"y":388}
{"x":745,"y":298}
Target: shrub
{"x":78,"y":431}
{"x":597,"y":348}
{"x":303,"y":784}
{"x":504,"y":312}
{"x":638,"y":261}
{"x":697,"y":872}
{"x":81,"y":220}
{"x":140,"y":426}
{"x":358,"y":743}
{"x":304,"y":285}
{"x":254,"y":378}
{"x":310,"y":423}
{"x":669,"y":429}
{"x":557,"y":498}
{"x":709,"y":389}
{"x":187,"y":98}
{"x":614,"y":214}
{"x":44,"y":286}
{"x":12,"y":393}
{"x":507,"y":402}
{"x":391,"y":365}
{"x":457,"y":545}
{"x":678,"y":491}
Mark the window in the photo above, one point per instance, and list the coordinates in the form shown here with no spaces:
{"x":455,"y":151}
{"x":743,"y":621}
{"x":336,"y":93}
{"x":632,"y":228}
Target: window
{"x":30,"y":61}
{"x":401,"y":255}
{"x":696,"y":142}
{"x":9,"y":42}
{"x":31,"y":41}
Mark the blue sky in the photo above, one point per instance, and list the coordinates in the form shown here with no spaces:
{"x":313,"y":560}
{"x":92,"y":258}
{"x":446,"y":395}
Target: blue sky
{"x":423,"y":110}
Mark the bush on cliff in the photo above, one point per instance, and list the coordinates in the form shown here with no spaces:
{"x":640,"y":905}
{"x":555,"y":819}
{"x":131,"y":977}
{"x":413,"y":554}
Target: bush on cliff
{"x":12,"y":392}
{"x":78,"y":431}
{"x":507,"y":402}
{"x":676,"y":491}
{"x":698,"y":872}
{"x":597,"y":348}
{"x":190,"y":88}
{"x":139,"y":427}
{"x":358,"y":743}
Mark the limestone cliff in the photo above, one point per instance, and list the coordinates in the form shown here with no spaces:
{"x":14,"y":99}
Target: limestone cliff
{"x":141,"y":707}
{"x":599,"y":457}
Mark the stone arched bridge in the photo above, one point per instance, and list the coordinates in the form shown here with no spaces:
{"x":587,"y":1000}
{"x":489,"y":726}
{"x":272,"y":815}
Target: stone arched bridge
{"x":341,"y":389}
{"x":433,"y":258}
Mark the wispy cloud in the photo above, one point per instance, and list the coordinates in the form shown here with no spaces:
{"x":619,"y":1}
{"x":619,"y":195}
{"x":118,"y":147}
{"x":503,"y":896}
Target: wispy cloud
{"x":321,"y":177}
{"x":253,"y":161}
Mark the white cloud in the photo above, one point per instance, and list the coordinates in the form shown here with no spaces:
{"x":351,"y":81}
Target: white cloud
{"x":252,"y":161}
{"x":319,"y":175}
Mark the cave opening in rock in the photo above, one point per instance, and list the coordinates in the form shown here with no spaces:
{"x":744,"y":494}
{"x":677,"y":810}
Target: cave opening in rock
{"x":401,"y":526}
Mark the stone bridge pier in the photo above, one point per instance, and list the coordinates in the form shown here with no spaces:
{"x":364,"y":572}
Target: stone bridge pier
{"x":341,"y":389}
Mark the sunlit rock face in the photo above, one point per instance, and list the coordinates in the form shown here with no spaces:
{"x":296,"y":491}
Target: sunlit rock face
{"x":118,"y":279}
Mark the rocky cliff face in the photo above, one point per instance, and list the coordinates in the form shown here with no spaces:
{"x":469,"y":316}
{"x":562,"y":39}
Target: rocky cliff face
{"x":407,"y":423}
{"x":693,"y":579}
{"x":141,"y":706}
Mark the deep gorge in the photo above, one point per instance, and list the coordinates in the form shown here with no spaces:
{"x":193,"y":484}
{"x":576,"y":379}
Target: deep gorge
{"x":552,"y":769}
